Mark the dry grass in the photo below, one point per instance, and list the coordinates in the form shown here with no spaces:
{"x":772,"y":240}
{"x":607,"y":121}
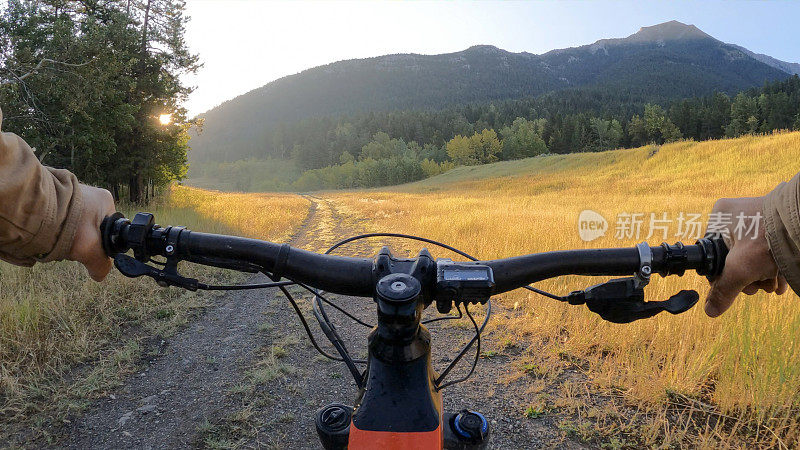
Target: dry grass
{"x":65,"y":339}
{"x":745,"y":364}
{"x":265,"y":216}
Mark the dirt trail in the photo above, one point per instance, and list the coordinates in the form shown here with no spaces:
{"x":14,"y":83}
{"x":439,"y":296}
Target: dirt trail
{"x":244,"y":374}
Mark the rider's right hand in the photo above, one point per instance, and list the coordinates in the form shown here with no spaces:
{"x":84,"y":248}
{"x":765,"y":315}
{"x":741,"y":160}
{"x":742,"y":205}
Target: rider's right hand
{"x":750,"y":266}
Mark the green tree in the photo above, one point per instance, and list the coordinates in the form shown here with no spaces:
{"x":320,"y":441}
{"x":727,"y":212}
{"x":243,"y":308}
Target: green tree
{"x":433,"y":152}
{"x":653,"y":128}
{"x":776,"y":111}
{"x":752,"y":125}
{"x":383,"y":147}
{"x":346,"y":158}
{"x":716,"y":116}
{"x":637,"y":130}
{"x":522,"y":139}
{"x":161,"y":58}
{"x":744,"y":116}
{"x":608,"y":133}
{"x":458,"y":149}
{"x":61,"y":88}
{"x":480,"y":148}
{"x":85,"y":83}
{"x":486,"y":146}
{"x":669,"y":132}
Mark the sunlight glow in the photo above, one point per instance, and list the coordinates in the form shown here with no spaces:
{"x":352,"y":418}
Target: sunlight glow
{"x":165,"y":119}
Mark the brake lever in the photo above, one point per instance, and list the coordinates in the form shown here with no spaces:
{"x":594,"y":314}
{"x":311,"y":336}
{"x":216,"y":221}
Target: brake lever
{"x":166,"y":276}
{"x":622,"y":301}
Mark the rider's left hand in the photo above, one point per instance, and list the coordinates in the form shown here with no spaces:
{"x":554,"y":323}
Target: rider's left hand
{"x":87,"y":246}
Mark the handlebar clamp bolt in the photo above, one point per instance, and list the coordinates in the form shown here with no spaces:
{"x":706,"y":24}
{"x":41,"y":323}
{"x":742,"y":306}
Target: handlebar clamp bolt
{"x":646,"y":271}
{"x":169,"y":249}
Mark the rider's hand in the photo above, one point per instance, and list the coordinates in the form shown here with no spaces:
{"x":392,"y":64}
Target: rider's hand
{"x":749,"y":266}
{"x":87,"y":246}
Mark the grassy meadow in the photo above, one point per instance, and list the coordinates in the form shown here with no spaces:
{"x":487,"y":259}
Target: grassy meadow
{"x":65,"y":339}
{"x":743,"y":368}
{"x":689,"y":380}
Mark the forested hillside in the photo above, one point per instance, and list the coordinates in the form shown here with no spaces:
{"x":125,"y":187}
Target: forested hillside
{"x":395,"y":147}
{"x":657,"y":64}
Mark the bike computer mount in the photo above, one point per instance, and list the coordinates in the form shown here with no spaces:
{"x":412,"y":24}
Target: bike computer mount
{"x":458,"y":283}
{"x":444,"y":280}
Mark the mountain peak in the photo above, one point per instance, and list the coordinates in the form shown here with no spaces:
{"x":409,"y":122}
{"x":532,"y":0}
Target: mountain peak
{"x":659,"y":34}
{"x":667,"y":31}
{"x":484,"y":48}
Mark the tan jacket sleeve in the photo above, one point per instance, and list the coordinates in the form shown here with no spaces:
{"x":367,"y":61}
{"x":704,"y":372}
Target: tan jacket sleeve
{"x":782,"y":227}
{"x":39,"y":206}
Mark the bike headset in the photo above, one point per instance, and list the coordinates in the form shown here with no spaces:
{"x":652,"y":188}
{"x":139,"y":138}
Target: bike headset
{"x":617,"y":300}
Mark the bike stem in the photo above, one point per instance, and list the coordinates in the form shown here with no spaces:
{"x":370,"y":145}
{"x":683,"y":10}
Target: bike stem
{"x":400,"y":400}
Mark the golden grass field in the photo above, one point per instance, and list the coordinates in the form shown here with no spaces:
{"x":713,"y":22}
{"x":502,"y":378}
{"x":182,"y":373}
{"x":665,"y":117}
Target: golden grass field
{"x":744,"y":366}
{"x":64,"y":338}
{"x":264,"y":216}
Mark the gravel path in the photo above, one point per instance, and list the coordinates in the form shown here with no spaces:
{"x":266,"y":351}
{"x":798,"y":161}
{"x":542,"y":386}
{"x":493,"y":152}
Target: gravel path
{"x":244,"y":374}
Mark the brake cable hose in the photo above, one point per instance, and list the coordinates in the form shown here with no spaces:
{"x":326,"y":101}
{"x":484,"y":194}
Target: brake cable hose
{"x":465,"y":349}
{"x":326,"y":324}
{"x":451,"y":317}
{"x":305,"y":324}
{"x":476,"y":339}
{"x":337,"y":307}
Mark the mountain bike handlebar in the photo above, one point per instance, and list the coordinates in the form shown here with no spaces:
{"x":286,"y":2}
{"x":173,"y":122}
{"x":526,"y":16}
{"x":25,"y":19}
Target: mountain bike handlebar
{"x":357,"y":276}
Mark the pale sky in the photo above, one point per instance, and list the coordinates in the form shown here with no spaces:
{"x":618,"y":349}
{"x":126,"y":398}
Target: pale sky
{"x":245,"y":44}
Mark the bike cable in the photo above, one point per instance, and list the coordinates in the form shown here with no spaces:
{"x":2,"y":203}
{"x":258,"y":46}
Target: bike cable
{"x":476,"y":339}
{"x":330,"y":329}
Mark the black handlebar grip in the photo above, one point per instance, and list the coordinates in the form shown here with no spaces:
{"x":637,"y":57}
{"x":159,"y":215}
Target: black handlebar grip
{"x":716,"y":251}
{"x":107,"y":234}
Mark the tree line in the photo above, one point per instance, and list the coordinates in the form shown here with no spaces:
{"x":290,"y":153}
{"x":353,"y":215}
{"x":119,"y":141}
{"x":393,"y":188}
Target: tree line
{"x":392,"y":148}
{"x":94,"y":87}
